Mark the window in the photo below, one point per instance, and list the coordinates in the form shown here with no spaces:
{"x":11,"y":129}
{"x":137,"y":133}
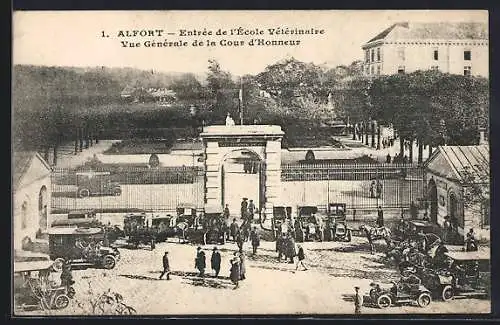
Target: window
{"x":401,"y":70}
{"x":485,"y":214}
{"x":378,"y":69}
{"x":467,"y":55}
{"x":467,"y":71}
{"x":401,"y":53}
{"x":378,"y":54}
{"x":436,"y":55}
{"x":373,"y":55}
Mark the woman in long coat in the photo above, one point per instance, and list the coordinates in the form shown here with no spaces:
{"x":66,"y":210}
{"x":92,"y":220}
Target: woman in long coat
{"x":235,"y":270}
{"x":290,"y":249}
{"x":242,"y":265}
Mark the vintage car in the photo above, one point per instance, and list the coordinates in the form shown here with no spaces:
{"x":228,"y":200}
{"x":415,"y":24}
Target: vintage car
{"x":216,"y":229}
{"x":336,"y":225}
{"x":468,"y":275}
{"x":95,"y":184}
{"x":35,"y":286}
{"x":137,"y":231}
{"x":81,"y":246}
{"x":405,"y":291}
{"x":186,"y":212}
{"x":78,"y":218}
{"x":164,"y":226}
{"x":279,"y":220}
{"x":310,"y":224}
{"x":410,"y":228}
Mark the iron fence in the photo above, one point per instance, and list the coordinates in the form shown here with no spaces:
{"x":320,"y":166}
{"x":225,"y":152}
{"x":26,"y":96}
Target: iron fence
{"x":116,"y":189}
{"x":360,"y":186}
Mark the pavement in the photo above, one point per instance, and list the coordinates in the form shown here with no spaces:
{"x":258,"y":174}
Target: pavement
{"x":271,"y":287}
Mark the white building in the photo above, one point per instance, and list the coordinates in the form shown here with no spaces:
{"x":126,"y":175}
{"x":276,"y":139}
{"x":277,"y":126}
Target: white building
{"x":31,"y":196}
{"x":456,"y":48}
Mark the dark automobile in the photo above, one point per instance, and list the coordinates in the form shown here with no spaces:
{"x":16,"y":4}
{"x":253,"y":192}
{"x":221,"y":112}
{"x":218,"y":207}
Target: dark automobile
{"x":33,"y":287}
{"x":214,"y":225}
{"x":164,"y":226}
{"x":95,"y":184}
{"x":310,"y":224}
{"x":82,"y":246}
{"x":137,"y":231}
{"x":280,"y":218}
{"x":406,"y":291}
{"x":336,"y":224}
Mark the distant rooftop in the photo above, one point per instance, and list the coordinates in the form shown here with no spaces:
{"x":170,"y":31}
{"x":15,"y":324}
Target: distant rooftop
{"x":441,"y":30}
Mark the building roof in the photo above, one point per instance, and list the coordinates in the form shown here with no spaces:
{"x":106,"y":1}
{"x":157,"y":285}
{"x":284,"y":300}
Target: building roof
{"x":458,"y":159}
{"x":22,"y":161}
{"x":441,"y":30}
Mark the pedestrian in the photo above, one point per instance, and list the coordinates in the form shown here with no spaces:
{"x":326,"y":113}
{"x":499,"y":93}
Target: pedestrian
{"x":255,"y":237}
{"x":447,"y":230}
{"x":244,"y":208}
{"x":290,"y":248}
{"x":426,"y":217}
{"x":66,"y":276}
{"x":215,"y":261}
{"x":279,"y":246}
{"x":379,"y":189}
{"x":234,"y":229}
{"x":239,"y":240}
{"x":251,"y":210}
{"x":226,"y":213}
{"x":301,"y":256}
{"x":200,"y":262}
{"x":470,"y":241}
{"x":166,"y":267}
{"x":388,"y":158}
{"x":235,"y":270}
{"x":242,"y":265}
{"x":358,"y":301}
{"x":380,"y":217}
{"x":372,"y":189}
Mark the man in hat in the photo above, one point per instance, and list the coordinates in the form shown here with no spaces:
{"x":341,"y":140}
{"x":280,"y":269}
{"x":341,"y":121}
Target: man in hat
{"x":358,"y":301}
{"x":166,"y":266}
{"x":255,"y":238}
{"x":244,"y":208}
{"x":239,"y":240}
{"x":301,"y":256}
{"x":380,"y":217}
{"x":215,"y":261}
{"x":242,"y":265}
{"x":251,"y":210}
{"x":200,"y":262}
{"x":234,"y":229}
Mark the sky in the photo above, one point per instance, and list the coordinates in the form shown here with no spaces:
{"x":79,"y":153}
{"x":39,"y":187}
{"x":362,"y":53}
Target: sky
{"x":72,"y":38}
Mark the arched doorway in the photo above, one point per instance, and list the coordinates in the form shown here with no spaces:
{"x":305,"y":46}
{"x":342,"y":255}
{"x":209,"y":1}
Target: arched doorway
{"x":242,"y":173}
{"x":42,"y":208}
{"x":433,"y":200}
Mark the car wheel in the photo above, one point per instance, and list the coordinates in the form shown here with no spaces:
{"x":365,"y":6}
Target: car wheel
{"x":424,"y":299}
{"x":108,"y":262}
{"x":349,"y":236}
{"x":83,"y":193}
{"x":447,"y":293}
{"x":384,"y":301}
{"x":61,"y":302}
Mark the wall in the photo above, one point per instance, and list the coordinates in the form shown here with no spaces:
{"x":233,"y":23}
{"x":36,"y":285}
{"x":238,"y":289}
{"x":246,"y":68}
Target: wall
{"x":29,"y":193}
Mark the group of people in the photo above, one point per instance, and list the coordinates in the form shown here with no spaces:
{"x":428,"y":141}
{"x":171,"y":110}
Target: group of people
{"x":241,"y":234}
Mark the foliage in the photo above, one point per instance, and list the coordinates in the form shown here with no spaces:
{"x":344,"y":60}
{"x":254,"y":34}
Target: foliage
{"x":104,"y":303}
{"x":476,"y":182}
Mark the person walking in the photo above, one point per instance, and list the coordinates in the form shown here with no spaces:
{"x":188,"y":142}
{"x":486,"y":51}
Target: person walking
{"x":200,"y":262}
{"x":166,"y":267}
{"x":235,"y":270}
{"x":242,"y":265}
{"x":234,"y":229}
{"x":251,"y":210}
{"x":255,"y":238}
{"x":301,"y":256}
{"x":226,"y":213}
{"x":215,"y":261}
{"x":358,"y":301}
{"x":244,"y":208}
{"x":380,"y":217}
{"x":372,"y":189}
{"x":239,"y":240}
{"x":379,"y":189}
